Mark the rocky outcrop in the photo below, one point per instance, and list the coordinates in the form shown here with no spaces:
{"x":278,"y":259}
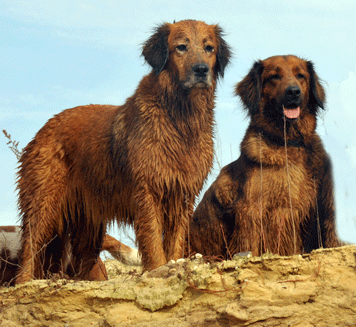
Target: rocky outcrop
{"x":317,"y":289}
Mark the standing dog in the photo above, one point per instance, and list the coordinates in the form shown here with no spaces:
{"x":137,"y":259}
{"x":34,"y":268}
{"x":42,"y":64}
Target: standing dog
{"x":142,"y":163}
{"x":10,"y":246}
{"x":278,"y":195}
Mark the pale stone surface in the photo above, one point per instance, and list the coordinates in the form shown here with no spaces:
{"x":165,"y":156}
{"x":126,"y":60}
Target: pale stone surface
{"x":310,"y":290}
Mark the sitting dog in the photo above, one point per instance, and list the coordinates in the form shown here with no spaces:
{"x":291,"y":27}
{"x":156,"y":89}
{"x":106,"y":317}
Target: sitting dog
{"x":278,"y":195}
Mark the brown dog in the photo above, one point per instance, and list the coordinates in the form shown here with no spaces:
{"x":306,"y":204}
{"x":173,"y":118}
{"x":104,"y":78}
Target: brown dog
{"x":10,"y":246}
{"x":142,"y":163}
{"x":278,"y":195}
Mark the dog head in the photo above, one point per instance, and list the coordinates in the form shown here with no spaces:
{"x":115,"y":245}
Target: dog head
{"x":194,"y":52}
{"x":281,"y":86}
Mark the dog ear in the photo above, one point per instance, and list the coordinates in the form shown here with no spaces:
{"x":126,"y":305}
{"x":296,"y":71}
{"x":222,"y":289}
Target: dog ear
{"x":224,"y":53}
{"x":249,"y":89}
{"x":316,"y":90}
{"x":155,"y":49}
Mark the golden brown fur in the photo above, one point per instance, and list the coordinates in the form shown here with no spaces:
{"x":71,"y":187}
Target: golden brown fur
{"x":265,"y":200}
{"x":142,"y":163}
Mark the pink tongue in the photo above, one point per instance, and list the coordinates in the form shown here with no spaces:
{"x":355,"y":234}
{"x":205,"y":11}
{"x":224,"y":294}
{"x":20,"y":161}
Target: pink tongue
{"x":292,"y":113}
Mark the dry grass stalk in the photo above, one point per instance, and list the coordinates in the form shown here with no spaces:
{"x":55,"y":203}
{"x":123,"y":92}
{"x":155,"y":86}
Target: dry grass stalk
{"x":13,"y":145}
{"x":289,"y":182}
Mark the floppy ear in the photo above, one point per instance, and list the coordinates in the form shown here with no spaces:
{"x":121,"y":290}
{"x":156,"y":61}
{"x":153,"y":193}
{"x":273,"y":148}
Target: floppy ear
{"x":316,"y":90}
{"x":249,"y":89}
{"x":155,"y":49}
{"x":224,"y":53}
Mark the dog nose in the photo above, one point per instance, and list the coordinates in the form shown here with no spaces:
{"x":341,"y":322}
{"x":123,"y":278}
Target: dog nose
{"x":292,"y":92}
{"x":200,"y":69}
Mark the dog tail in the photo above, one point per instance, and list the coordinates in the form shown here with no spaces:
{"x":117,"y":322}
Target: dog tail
{"x":121,"y":252}
{"x":10,"y":241}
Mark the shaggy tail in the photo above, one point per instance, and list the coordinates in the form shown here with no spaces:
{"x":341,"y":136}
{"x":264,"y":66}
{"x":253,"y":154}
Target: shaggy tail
{"x":121,"y":252}
{"x":10,"y":241}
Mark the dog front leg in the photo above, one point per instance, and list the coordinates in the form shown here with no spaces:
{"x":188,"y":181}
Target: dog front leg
{"x":148,"y":224}
{"x":176,"y":228}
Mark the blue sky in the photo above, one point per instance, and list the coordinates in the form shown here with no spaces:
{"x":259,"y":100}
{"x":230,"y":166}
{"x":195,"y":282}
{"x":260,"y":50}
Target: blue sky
{"x":60,"y":54}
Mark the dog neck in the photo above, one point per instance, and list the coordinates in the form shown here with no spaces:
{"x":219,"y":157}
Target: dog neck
{"x":267,"y":148}
{"x":178,"y":101}
{"x":277,"y":140}
{"x":191,"y":111}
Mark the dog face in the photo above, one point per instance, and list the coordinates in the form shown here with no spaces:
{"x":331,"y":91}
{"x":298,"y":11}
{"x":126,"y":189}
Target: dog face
{"x":285,"y":86}
{"x":281,"y":86}
{"x":194,"y":52}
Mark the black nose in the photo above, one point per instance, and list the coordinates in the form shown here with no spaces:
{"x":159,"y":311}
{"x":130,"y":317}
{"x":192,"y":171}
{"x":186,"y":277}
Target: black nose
{"x":292,"y":92}
{"x":200,"y":69}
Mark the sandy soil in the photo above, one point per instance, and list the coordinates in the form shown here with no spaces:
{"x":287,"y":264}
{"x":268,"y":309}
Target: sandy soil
{"x":318,"y":289}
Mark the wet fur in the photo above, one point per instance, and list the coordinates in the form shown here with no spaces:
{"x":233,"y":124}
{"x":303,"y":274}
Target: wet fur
{"x":249,"y":207}
{"x":142,"y":163}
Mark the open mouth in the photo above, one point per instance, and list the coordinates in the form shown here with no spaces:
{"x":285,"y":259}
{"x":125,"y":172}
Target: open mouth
{"x":292,"y":113}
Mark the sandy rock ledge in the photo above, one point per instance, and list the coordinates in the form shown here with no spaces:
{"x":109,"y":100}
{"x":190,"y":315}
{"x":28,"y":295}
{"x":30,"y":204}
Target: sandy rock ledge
{"x":318,"y":289}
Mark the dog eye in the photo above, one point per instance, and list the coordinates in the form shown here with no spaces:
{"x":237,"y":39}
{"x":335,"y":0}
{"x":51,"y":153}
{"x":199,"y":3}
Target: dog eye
{"x":274,"y":77}
{"x":209,"y":48}
{"x":182,"y":47}
{"x":300,"y":76}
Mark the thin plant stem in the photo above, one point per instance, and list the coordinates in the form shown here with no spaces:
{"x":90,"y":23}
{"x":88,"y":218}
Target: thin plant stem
{"x":289,"y":188}
{"x":261,"y":196}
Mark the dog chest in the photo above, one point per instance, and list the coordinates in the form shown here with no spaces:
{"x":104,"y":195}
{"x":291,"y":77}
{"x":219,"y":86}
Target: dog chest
{"x":165,"y":155}
{"x":273,"y":187}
